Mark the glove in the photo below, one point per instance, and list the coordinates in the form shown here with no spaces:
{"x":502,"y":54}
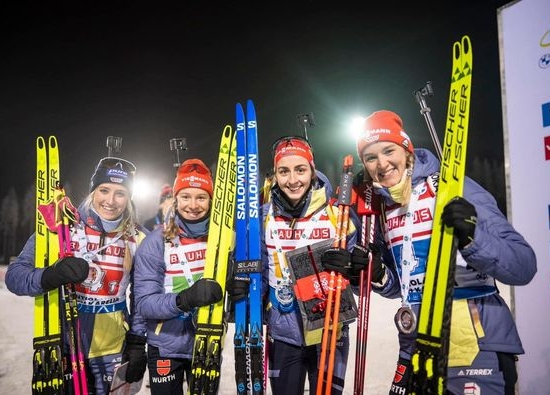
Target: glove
{"x":348,"y":264}
{"x":65,"y":271}
{"x":237,"y":288}
{"x":462,"y":216}
{"x":378,"y":268}
{"x":338,"y":260}
{"x":202,"y":293}
{"x":134,"y":353}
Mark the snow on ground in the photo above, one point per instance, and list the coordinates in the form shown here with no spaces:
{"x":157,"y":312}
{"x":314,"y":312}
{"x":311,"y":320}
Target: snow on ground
{"x":16,"y":327}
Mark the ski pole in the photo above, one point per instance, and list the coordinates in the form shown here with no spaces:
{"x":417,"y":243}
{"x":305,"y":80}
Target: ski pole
{"x":58,"y":214}
{"x":365,"y":210}
{"x":342,"y":224}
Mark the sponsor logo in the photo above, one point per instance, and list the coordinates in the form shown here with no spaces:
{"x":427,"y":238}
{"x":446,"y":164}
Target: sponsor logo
{"x":545,"y":109}
{"x":163,"y":367}
{"x":544,"y":61}
{"x":547,"y":147}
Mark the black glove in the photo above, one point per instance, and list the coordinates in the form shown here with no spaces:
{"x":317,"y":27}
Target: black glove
{"x":338,"y":260}
{"x":65,"y":271}
{"x":378,"y":268}
{"x":134,"y":353}
{"x":462,"y":216}
{"x":238,"y":287}
{"x":202,"y":293}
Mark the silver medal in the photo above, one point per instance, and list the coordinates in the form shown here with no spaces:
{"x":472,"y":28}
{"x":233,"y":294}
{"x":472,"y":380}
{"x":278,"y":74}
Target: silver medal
{"x":405,"y":320}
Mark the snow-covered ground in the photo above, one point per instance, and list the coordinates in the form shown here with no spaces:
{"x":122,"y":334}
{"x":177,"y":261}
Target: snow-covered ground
{"x":16,"y":329}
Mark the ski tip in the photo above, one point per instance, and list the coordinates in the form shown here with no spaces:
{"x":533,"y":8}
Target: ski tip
{"x":227,"y":130}
{"x":52,"y":141}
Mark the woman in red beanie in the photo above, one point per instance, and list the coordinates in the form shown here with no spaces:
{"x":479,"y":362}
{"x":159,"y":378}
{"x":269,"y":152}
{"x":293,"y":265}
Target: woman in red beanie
{"x":484,"y":340}
{"x":298,"y":213}
{"x":169,"y":279}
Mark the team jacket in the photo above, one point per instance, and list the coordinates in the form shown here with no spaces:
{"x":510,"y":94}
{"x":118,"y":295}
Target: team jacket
{"x":103,"y":312}
{"x":163,"y":268}
{"x":498,"y":252}
{"x":283,"y":232}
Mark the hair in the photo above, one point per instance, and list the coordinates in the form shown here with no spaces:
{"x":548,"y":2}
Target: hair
{"x":171,"y":229}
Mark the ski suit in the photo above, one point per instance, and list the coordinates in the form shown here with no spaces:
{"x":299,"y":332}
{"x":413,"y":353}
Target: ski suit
{"x":163,"y":268}
{"x":289,"y":357}
{"x":484,"y":339}
{"x":102,"y":298}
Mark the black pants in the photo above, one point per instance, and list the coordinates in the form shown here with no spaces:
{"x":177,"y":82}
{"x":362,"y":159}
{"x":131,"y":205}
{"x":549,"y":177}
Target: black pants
{"x":167,"y":375}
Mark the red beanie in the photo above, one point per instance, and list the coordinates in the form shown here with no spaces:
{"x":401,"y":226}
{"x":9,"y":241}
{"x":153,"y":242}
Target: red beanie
{"x":289,"y":146}
{"x":383,"y":126}
{"x":193,"y":173}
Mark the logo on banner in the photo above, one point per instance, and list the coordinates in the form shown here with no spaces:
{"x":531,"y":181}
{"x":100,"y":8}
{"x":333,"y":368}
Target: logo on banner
{"x":545,"y":114}
{"x":547,"y":147}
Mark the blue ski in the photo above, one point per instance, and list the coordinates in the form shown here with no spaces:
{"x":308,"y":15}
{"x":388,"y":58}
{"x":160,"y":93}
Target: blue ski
{"x":248,"y":340}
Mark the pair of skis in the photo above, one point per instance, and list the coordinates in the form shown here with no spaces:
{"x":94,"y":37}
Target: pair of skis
{"x":429,"y":361}
{"x":211,"y":328}
{"x":54,"y":215}
{"x":248,"y":338}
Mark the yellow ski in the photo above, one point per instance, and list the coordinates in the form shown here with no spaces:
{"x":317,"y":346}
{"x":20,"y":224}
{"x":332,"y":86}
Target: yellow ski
{"x":429,"y":362}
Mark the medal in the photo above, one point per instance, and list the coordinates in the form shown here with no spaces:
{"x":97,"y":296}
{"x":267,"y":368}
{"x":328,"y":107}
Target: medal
{"x":405,"y":320}
{"x":284,"y":294}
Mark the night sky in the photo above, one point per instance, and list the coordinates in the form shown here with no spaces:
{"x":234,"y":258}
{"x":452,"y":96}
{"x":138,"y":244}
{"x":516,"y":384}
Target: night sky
{"x":87,"y":70}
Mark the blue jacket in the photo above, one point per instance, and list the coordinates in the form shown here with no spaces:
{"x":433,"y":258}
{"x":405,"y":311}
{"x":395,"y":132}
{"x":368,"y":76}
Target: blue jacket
{"x":498,"y":252}
{"x":168,"y":328}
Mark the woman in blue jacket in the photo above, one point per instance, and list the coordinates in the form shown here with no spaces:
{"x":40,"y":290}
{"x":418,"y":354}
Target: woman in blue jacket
{"x":484,"y":339}
{"x":168,"y":278}
{"x":298,"y":213}
{"x":105,"y":240}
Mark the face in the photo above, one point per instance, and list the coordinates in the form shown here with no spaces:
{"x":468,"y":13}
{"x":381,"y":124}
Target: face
{"x":385,"y":162}
{"x":293,"y":175}
{"x":193,"y":203}
{"x":110,"y":200}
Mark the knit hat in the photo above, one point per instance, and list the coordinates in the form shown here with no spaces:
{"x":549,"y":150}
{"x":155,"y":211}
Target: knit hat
{"x":114,"y":170}
{"x":289,"y":146}
{"x":193,"y":173}
{"x":383,"y":126}
{"x":165,"y":192}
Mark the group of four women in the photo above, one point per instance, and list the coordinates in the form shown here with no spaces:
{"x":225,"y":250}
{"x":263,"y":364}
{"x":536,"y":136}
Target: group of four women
{"x":164,"y":274}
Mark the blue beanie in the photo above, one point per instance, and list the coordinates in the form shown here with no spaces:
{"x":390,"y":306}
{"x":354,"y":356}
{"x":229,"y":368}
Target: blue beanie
{"x":114,"y":170}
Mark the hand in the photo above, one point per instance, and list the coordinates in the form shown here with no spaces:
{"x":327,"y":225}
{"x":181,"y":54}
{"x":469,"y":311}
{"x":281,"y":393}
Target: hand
{"x":238,"y":287}
{"x":378,"y":268}
{"x":65,"y":271}
{"x":134,"y":353}
{"x":462,"y":216}
{"x":338,"y":260}
{"x":202,"y":293}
